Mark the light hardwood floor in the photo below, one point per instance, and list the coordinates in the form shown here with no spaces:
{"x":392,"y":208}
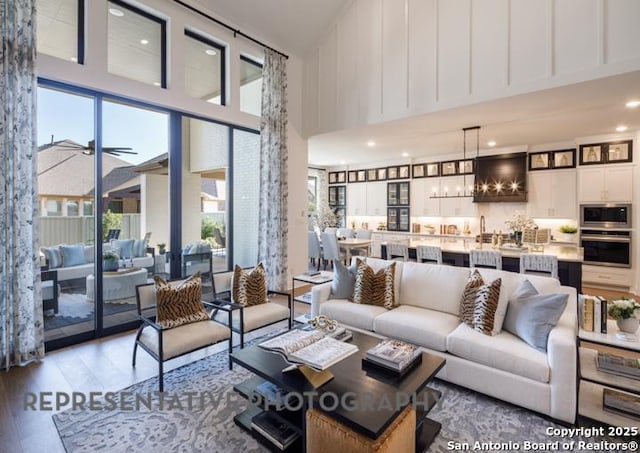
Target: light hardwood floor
{"x":102,"y":365}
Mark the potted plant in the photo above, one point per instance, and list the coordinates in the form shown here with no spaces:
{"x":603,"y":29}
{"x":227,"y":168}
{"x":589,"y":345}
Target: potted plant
{"x":567,"y":233}
{"x":162,"y":248}
{"x":623,"y":311}
{"x":110,"y":261}
{"x":517,"y":224}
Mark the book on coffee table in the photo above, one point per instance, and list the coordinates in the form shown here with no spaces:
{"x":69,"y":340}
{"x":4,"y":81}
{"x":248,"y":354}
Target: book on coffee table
{"x":275,"y":430}
{"x":618,"y":365}
{"x":393,"y":354}
{"x":310,"y":347}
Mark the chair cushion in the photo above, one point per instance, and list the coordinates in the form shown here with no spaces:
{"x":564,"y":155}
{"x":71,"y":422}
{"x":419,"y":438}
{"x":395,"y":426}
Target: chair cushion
{"x":185,"y":338}
{"x":360,"y":316}
{"x":532,"y":316}
{"x":503,"y":351}
{"x":479,"y":303}
{"x":344,"y":281}
{"x":249,"y":287}
{"x":375,"y":288}
{"x":89,"y":250}
{"x":72,"y":255}
{"x":54,"y":258}
{"x":179,"y":303}
{"x":428,"y":328}
{"x":255,"y":316}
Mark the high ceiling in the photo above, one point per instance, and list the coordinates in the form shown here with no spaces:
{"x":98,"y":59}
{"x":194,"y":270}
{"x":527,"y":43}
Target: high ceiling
{"x":558,"y":115}
{"x":291,"y":26}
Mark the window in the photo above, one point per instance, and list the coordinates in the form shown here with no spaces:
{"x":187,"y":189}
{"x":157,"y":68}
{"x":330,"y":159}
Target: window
{"x":136,"y":44}
{"x":87,"y":207}
{"x":312,"y":192}
{"x":250,"y":86}
{"x":204,"y":69}
{"x":72,"y":208}
{"x":54,"y":208}
{"x":58,"y":31}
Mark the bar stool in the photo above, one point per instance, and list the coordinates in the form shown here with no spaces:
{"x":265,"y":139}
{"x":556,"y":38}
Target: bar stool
{"x":485,"y":258}
{"x":429,"y":254}
{"x":531,"y":263}
{"x":397,"y":250}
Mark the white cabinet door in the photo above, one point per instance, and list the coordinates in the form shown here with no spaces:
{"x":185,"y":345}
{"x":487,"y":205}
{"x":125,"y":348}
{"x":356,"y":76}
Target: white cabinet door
{"x":356,"y":199}
{"x":618,"y":184}
{"x":591,"y":185}
{"x":563,"y":194}
{"x":431,"y":205}
{"x":376,"y":197}
{"x":539,"y":196}
{"x":456,"y":206}
{"x":418,"y":198}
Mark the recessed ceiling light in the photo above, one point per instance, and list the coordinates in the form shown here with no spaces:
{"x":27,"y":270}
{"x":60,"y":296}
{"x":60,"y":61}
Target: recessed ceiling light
{"x":144,"y":42}
{"x":157,"y":84}
{"x":210,"y":52}
{"x":621,"y":128}
{"x":405,"y":154}
{"x":116,"y":12}
{"x":491,"y":143}
{"x":633,"y":104}
{"x":371,"y":143}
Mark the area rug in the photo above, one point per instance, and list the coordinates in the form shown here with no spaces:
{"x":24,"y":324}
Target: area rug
{"x":466,"y":417}
{"x":74,"y":309}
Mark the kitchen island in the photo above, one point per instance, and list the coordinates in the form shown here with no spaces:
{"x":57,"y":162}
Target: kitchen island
{"x":455,"y":252}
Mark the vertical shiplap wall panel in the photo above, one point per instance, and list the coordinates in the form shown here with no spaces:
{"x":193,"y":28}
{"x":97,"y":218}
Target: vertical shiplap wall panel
{"x":622,"y":30}
{"x":394,"y":58}
{"x":327,"y":83}
{"x":347,"y":80}
{"x":529,"y":47}
{"x":489,"y":46}
{"x":370,"y":60}
{"x":422,"y":54}
{"x":310,"y":102}
{"x":453,"y":49}
{"x":575,"y":30}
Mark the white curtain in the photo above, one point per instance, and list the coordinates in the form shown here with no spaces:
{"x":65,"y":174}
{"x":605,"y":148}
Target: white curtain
{"x":273,"y":218}
{"x":21,"y":329}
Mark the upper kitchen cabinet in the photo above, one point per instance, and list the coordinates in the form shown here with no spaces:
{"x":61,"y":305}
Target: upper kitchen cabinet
{"x":552,"y":194}
{"x":422,"y":202}
{"x":357,"y":200}
{"x":605,"y":184}
{"x":398,"y":193}
{"x":376,"y":198}
{"x":453,"y":205}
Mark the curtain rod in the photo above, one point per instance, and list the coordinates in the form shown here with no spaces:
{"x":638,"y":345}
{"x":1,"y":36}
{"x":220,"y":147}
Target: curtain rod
{"x":229,"y":27}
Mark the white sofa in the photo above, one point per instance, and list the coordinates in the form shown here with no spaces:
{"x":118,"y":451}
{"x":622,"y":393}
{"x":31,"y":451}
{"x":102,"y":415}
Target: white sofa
{"x":502,"y":366}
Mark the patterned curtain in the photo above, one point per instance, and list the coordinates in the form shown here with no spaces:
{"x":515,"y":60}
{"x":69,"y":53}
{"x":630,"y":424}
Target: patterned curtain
{"x":273,"y":218}
{"x":21,"y":328}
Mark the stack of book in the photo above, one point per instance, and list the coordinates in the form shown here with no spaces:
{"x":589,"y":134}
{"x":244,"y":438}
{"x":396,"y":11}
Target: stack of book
{"x":592,"y":313}
{"x":279,"y":433}
{"x":394,"y":355}
{"x":618,"y":365}
{"x":621,"y":403}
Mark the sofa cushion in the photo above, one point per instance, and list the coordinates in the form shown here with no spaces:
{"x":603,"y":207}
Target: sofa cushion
{"x":89,"y":250}
{"x":503,"y":351}
{"x":375,"y":288}
{"x":510,"y":282}
{"x":428,"y":328}
{"x":72,"y":255}
{"x":432,"y":286}
{"x":532,"y":316}
{"x":344,"y":280}
{"x":377,"y":264}
{"x":360,"y":316}
{"x":125,"y":247}
{"x":54,"y":258}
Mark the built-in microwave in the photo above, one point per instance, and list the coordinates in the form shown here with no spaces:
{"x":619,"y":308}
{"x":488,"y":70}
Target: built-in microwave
{"x":605,"y":216}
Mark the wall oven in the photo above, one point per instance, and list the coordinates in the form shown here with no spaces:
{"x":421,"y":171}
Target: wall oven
{"x":606,"y":247}
{"x":605,"y":216}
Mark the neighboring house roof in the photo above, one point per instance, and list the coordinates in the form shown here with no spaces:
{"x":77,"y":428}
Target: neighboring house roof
{"x":70,"y":172}
{"x":158,"y":165}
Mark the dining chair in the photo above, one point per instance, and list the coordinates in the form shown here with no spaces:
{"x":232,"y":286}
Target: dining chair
{"x":345,"y":232}
{"x":362,"y":234}
{"x":330,"y":250}
{"x":485,"y":258}
{"x":429,"y":254}
{"x":531,"y":263}
{"x":332,"y":230}
{"x":314,"y":248}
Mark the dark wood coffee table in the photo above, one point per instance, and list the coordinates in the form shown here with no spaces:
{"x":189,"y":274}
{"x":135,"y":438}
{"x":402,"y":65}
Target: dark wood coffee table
{"x":350,"y":378}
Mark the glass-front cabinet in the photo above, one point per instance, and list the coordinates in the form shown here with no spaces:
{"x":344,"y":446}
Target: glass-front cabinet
{"x":398,"y":200}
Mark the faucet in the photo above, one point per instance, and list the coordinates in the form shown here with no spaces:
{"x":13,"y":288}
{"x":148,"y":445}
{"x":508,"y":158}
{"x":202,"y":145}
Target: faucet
{"x":483,"y":227}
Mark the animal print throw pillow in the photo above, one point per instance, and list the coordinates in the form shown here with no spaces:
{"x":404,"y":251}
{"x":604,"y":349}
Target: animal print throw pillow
{"x":375,"y":288}
{"x":249,"y":287}
{"x":479,"y":303}
{"x":179,"y":303}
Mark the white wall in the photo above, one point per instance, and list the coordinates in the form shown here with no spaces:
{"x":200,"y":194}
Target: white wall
{"x":93,"y":74}
{"x":390,"y":59}
{"x":154,"y":207}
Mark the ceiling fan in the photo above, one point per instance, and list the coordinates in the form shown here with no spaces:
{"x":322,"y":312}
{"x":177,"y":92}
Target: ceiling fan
{"x":90,"y":149}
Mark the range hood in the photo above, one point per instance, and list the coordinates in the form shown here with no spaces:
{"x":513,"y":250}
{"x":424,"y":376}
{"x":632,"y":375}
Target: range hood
{"x":501,"y":178}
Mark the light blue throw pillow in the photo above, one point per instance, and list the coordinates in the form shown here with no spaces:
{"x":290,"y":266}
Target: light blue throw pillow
{"x":344,"y":279}
{"x":125,"y":246}
{"x":139,"y":248}
{"x":54,"y":258}
{"x":72,"y":255}
{"x":531,"y":316}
